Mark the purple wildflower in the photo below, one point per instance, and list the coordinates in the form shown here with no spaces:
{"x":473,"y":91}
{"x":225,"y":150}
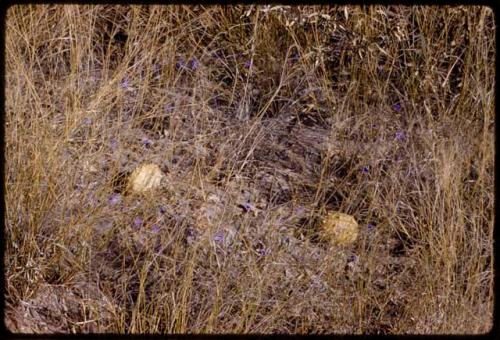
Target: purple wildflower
{"x":300,"y":210}
{"x":248,"y":63}
{"x":169,"y":108}
{"x":219,"y":237}
{"x":146,"y":142}
{"x":190,"y":235}
{"x":193,"y":64}
{"x":400,"y":136}
{"x":246,"y":207}
{"x":87,"y":121}
{"x":261,"y":249}
{"x":115,"y":199}
{"x":285,"y":240}
{"x":397,"y":107}
{"x":371,"y":226}
{"x":217,"y":55}
{"x":264,"y":251}
{"x":365,"y":170}
{"x":294,"y":56}
{"x":155,"y":229}
{"x":190,"y":232}
{"x":180,"y":64}
{"x":162,"y":209}
{"x":114,"y":144}
{"x":124,"y":84}
{"x":137,"y":222}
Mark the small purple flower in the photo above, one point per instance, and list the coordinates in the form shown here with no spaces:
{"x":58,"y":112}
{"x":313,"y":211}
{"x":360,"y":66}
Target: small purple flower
{"x":162,"y":209}
{"x":261,"y":249}
{"x":300,"y":210}
{"x":400,"y":136}
{"x":193,"y":64}
{"x":124,"y":84}
{"x":137,"y":222}
{"x":115,"y":199}
{"x":397,"y":107}
{"x":169,"y":108}
{"x":264,"y":251}
{"x":190,"y":232}
{"x":371,"y":226}
{"x":219,"y":237}
{"x":248,"y":63}
{"x":351,"y":258}
{"x":87,"y":121}
{"x":294,"y":56}
{"x":181,"y":63}
{"x":365,"y":170}
{"x":146,"y":142}
{"x":246,"y":207}
{"x":155,"y":229}
{"x":114,"y":144}
{"x":217,"y":55}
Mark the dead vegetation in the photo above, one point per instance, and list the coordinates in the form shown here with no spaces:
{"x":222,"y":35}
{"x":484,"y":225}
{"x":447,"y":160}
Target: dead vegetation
{"x":262,"y":120}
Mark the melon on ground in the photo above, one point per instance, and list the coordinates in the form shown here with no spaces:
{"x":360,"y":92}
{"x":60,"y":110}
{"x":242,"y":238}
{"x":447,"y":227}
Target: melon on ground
{"x":339,"y":228}
{"x":145,"y":177}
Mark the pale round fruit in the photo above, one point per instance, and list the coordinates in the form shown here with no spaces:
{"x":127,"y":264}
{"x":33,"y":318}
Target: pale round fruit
{"x":339,"y":228}
{"x":145,"y":178}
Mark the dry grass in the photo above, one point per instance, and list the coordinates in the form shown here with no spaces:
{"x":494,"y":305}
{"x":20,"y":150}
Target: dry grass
{"x":262,"y":119}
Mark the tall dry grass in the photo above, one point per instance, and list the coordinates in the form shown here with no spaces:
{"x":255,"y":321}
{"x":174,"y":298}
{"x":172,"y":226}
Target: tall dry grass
{"x":262,"y":118}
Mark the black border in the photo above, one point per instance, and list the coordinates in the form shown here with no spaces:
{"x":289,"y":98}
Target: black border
{"x":494,"y":331}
